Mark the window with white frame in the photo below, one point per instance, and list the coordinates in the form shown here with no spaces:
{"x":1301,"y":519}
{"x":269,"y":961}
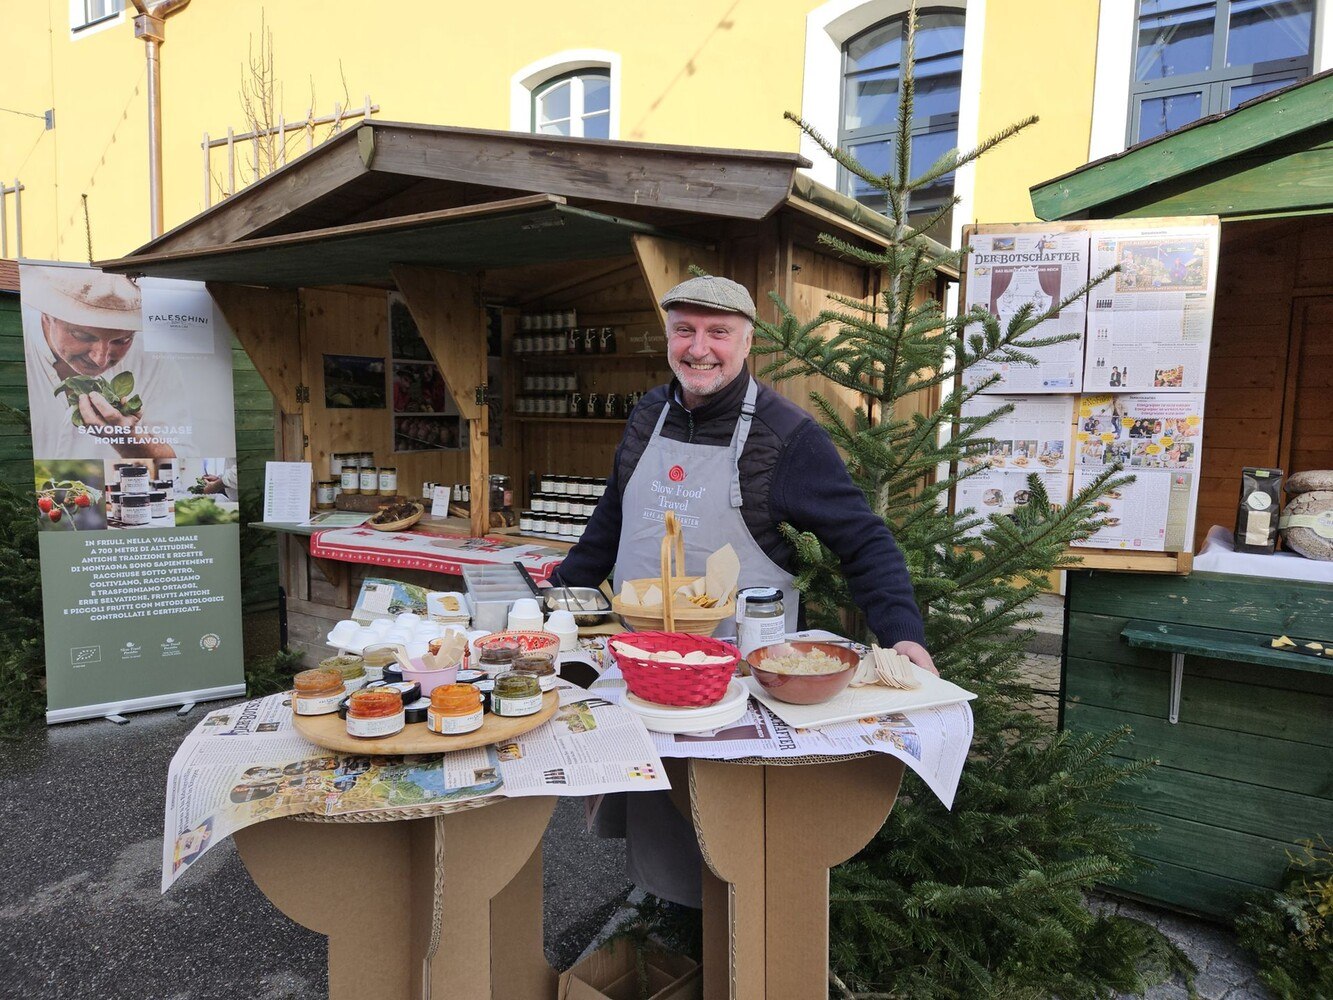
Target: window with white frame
{"x":871,"y":69}
{"x":1199,"y":57}
{"x":576,"y":103}
{"x":86,"y":12}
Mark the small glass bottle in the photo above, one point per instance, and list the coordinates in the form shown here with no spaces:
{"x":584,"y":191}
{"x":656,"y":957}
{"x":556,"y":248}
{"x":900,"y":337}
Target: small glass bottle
{"x":454,"y":709}
{"x":516,"y":694}
{"x":317,"y":692}
{"x":375,"y":712}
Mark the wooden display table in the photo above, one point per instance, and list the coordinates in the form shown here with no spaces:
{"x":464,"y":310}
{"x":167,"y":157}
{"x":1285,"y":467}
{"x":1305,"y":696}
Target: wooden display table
{"x":436,"y":906}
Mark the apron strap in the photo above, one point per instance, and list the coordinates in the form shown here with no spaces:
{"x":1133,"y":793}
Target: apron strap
{"x":661,"y":420}
{"x":738,"y":438}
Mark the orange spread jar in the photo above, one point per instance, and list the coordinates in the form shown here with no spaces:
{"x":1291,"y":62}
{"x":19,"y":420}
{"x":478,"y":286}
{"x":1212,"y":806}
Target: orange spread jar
{"x":317,"y":692}
{"x":454,"y":709}
{"x":375,"y":712}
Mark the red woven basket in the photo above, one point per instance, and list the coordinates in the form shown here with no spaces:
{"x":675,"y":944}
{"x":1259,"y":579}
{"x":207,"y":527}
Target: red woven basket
{"x":685,"y":685}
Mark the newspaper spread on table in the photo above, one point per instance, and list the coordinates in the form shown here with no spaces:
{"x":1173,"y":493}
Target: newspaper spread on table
{"x":1035,"y":437}
{"x":1157,"y":437}
{"x":247,"y":763}
{"x":1150,"y":324}
{"x":932,"y":742}
{"x":1006,"y":271}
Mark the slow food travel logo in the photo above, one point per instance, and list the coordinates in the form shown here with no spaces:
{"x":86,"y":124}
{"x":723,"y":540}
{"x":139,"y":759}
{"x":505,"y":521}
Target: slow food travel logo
{"x":677,"y":474}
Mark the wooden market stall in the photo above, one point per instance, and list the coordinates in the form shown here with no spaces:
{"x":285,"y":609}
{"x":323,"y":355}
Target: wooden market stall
{"x":475,"y":231}
{"x":1244,"y":734}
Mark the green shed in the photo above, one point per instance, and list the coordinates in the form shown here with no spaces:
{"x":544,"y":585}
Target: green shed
{"x":1244,"y":734}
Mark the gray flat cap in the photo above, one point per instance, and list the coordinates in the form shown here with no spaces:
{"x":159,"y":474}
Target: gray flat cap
{"x":721,"y":294}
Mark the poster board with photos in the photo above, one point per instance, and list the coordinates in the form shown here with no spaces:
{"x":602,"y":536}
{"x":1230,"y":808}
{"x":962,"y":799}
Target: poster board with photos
{"x":1144,"y":351}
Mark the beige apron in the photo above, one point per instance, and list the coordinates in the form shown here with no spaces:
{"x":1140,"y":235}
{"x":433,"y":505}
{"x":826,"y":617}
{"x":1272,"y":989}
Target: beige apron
{"x":702,"y":484}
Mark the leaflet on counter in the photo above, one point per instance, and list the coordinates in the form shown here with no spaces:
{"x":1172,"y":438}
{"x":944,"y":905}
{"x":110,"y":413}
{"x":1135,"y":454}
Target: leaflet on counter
{"x":1007,"y":271}
{"x":247,"y":763}
{"x":1156,"y":437}
{"x":1150,"y":324}
{"x":1036,"y":436}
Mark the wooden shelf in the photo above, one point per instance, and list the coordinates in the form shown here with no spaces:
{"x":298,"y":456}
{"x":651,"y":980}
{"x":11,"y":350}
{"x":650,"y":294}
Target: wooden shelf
{"x":571,"y":420}
{"x":660,"y":358}
{"x":1222,"y":644}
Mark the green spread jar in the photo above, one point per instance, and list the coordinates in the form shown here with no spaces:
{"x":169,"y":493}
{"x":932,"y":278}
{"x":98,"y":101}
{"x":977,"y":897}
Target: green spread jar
{"x":516,"y":694}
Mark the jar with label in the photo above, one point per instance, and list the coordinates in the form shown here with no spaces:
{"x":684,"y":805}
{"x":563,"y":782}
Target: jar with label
{"x":366,"y":460}
{"x":548,"y":483}
{"x":135,"y":510}
{"x":369,"y":481}
{"x":134,"y":479}
{"x":761,"y":618}
{"x":516,"y":694}
{"x":377,"y":657}
{"x":525,"y":521}
{"x":388,"y":484}
{"x":157,"y":503}
{"x":350,"y":481}
{"x":167,"y":470}
{"x":375,"y":712}
{"x":540,"y":665}
{"x":335,"y":465}
{"x":317,"y":692}
{"x":113,"y":505}
{"x":325,"y":493}
{"x":497,"y":659}
{"x":454,"y":709}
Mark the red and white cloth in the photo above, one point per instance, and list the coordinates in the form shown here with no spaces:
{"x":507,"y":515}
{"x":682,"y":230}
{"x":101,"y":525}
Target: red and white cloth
{"x":433,"y":553}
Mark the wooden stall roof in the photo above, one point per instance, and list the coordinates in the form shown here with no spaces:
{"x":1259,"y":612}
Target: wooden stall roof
{"x":499,"y":234}
{"x":388,"y":183}
{"x":1266,"y":158}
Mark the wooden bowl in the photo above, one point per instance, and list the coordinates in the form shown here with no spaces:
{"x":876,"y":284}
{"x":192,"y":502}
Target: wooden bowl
{"x":399,"y":525}
{"x":803,"y":689}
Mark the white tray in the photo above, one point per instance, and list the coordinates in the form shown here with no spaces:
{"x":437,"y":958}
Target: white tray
{"x":862,"y":702}
{"x":668,"y":719}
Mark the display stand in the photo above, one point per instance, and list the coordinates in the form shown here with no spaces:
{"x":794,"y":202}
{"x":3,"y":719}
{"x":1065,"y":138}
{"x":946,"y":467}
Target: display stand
{"x":446,"y":905}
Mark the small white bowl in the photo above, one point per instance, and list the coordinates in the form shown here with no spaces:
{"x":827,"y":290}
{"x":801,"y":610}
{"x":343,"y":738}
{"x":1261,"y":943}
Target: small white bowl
{"x":407,"y":618}
{"x":343,"y":631}
{"x":362,"y":638}
{"x":382,"y":626}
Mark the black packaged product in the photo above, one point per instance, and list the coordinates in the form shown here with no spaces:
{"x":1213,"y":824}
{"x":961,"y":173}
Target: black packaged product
{"x":1260,"y":503}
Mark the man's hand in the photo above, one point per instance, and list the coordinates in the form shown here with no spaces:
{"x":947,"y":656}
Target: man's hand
{"x":121,"y":430}
{"x":916,"y":652}
{"x":214,"y":484}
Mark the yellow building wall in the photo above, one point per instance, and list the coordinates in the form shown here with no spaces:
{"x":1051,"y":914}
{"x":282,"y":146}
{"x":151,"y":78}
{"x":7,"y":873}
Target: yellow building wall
{"x":698,"y":72}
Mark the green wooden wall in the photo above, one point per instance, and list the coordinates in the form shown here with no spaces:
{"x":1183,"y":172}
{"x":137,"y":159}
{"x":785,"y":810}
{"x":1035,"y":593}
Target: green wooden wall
{"x":254,"y":443}
{"x":1248,"y":769}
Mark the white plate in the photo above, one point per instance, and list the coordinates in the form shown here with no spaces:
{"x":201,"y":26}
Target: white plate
{"x":862,"y":702}
{"x":669,"y":719}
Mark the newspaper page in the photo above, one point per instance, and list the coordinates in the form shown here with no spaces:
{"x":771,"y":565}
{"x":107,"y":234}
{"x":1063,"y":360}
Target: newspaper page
{"x":1009,"y":270}
{"x":1149,"y":325}
{"x":933,"y":742}
{"x":247,"y":763}
{"x":1157,"y":437}
{"x":592,"y":746}
{"x":1036,"y":436}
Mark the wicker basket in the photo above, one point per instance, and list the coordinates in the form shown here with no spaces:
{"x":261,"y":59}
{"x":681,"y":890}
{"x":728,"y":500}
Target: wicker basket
{"x":686,"y":685}
{"x":665,"y":617}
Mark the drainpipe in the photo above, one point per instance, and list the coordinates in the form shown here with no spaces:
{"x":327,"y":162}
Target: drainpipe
{"x":151,"y":26}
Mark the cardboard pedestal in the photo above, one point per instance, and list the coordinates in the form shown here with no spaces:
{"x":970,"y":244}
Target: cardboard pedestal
{"x":769,"y":835}
{"x":420,"y":909}
{"x":610,"y":974}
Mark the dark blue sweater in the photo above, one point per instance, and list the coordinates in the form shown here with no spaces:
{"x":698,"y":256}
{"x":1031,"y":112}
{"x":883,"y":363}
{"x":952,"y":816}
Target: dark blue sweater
{"x":790,"y":471}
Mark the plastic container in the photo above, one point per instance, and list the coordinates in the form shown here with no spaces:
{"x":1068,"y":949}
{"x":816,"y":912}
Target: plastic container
{"x":454,"y":709}
{"x":375,"y":713}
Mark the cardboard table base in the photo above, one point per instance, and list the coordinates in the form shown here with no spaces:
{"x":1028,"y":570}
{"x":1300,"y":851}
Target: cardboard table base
{"x":423,"y":909}
{"x":769,"y":835}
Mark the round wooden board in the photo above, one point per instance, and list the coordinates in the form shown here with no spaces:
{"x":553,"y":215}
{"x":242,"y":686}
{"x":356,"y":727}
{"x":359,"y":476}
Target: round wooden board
{"x":330,"y":732}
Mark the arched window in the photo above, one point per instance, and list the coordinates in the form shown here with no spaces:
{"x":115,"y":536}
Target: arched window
{"x":871,"y":67}
{"x":1199,"y":57}
{"x":576,"y":103}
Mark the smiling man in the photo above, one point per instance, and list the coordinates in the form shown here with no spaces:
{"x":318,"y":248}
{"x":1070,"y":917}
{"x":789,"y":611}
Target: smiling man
{"x":735,"y":460}
{"x":86,"y":323}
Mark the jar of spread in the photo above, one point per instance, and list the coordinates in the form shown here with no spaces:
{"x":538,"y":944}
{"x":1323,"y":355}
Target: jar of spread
{"x":540,"y":665}
{"x":375,"y":712}
{"x":134,"y":479}
{"x":497,"y":659}
{"x":516,"y":694}
{"x":157,"y":503}
{"x":761,"y":618}
{"x":350,"y":667}
{"x":325,"y":493}
{"x":350,"y":480}
{"x":377,"y":657}
{"x":369,"y":481}
{"x":388,"y":482}
{"x":317,"y":692}
{"x":113,"y":505}
{"x":135,"y":509}
{"x":454,"y":709}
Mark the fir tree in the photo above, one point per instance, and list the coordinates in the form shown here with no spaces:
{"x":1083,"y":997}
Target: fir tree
{"x":986,"y":900}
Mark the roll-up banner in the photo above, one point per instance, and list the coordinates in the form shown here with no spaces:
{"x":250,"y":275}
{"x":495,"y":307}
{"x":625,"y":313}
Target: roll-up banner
{"x":134,"y":472}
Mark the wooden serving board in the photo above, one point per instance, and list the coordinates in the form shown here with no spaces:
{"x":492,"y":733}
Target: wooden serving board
{"x":330,"y":732}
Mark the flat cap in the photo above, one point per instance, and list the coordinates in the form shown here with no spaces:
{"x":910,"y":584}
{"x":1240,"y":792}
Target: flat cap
{"x":83,"y":296}
{"x":709,"y":292}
